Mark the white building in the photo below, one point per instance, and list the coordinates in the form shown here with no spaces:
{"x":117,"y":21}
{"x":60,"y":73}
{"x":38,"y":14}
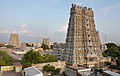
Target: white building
{"x":77,"y":71}
{"x":31,"y":71}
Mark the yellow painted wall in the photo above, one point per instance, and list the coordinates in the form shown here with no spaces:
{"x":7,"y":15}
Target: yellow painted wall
{"x":6,"y":68}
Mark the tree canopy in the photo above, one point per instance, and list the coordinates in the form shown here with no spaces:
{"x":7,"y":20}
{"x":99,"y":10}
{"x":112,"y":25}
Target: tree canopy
{"x":5,"y":59}
{"x":49,"y":58}
{"x":45,"y":47}
{"x":2,"y":45}
{"x":113,"y":51}
{"x":33,"y":57}
{"x":119,"y":48}
{"x":118,"y":62}
{"x":28,"y":45}
{"x":51,"y":69}
{"x":10,"y":46}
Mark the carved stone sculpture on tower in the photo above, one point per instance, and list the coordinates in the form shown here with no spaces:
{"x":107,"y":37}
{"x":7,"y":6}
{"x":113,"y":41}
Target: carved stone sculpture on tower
{"x":82,"y":43}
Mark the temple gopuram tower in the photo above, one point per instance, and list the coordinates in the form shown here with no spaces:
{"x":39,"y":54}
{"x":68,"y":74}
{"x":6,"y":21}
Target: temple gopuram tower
{"x":82,"y":43}
{"x":14,"y":40}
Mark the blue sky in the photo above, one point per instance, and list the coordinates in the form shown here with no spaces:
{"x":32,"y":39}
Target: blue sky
{"x":38,"y":19}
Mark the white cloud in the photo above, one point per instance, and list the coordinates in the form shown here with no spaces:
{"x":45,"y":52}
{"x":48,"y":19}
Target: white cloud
{"x":63,"y":29}
{"x":111,"y":7}
{"x":28,"y":33}
{"x":34,"y":35}
{"x":23,"y":31}
{"x":24,"y":25}
{"x":6,"y":31}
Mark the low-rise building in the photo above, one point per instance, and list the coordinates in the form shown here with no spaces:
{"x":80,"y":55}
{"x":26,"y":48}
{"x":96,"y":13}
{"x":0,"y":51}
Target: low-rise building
{"x":59,"y":64}
{"x":13,"y":70}
{"x":31,"y":71}
{"x":17,"y":67}
{"x":37,"y":45}
{"x":77,"y":71}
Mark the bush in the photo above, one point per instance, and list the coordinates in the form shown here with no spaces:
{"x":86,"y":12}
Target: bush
{"x":113,"y":67}
{"x":45,"y":47}
{"x":56,"y":71}
{"x":51,"y":69}
{"x":118,"y":62}
{"x":107,"y":63}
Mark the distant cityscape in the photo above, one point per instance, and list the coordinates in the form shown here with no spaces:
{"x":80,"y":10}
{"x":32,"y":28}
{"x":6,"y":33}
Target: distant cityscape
{"x":82,"y":54}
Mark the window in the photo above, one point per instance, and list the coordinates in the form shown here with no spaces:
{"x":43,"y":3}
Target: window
{"x":89,"y":41}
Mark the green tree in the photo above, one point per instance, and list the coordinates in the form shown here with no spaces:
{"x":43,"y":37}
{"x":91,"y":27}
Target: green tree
{"x":118,"y":62}
{"x":62,"y":45}
{"x":48,"y":68}
{"x":25,"y":64}
{"x":9,"y":46}
{"x":112,"y":51}
{"x":108,"y":63}
{"x":31,"y":57}
{"x":56,"y":71}
{"x":49,"y":58}
{"x":118,"y":52}
{"x":119,"y":48}
{"x":5,"y":59}
{"x":51,"y":46}
{"x":51,"y":69}
{"x":2,"y":45}
{"x":28,"y":45}
{"x":2,"y":63}
{"x":110,"y":45}
{"x":44,"y":47}
{"x":105,"y":54}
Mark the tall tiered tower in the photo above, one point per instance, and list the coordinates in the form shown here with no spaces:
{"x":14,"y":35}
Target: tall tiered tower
{"x":46,"y":41}
{"x":14,"y":40}
{"x":82,"y":43}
